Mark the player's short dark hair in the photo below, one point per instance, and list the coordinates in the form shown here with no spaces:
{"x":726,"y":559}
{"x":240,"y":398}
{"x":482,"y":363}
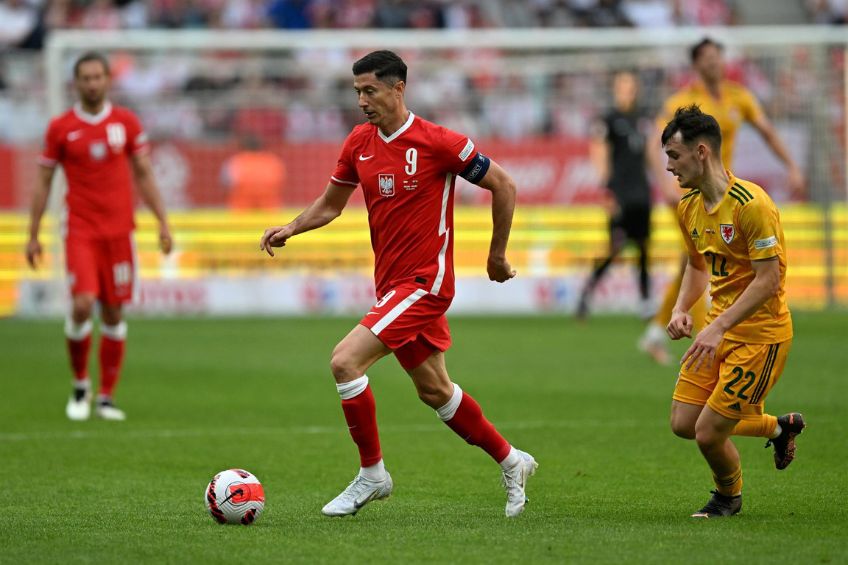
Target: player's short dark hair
{"x":693,"y":125}
{"x":88,"y":57}
{"x":385,"y":65}
{"x":696,"y":50}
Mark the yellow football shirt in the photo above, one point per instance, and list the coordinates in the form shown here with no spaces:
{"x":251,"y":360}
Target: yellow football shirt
{"x":744,"y":227}
{"x":735,"y":104}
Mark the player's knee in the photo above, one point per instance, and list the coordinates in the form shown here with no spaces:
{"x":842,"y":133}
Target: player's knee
{"x":683,"y":429}
{"x":82,"y":309}
{"x":707,"y":437}
{"x":435,"y":395}
{"x":111,"y":315}
{"x":343,"y":368}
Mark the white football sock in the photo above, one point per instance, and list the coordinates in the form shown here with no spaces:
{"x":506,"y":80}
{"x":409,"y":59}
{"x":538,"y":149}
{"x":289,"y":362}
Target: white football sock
{"x":376,"y":472}
{"x":353,"y":388}
{"x":511,"y":459}
{"x":447,"y":411}
{"x":75,"y":331}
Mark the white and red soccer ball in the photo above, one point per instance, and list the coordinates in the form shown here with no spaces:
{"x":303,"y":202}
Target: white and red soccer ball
{"x":235,"y":496}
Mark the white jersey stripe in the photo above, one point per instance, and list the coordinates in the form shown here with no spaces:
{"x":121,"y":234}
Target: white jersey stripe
{"x":340,"y":181}
{"x":399,"y":309}
{"x":443,"y":230}
{"x":135,"y":297}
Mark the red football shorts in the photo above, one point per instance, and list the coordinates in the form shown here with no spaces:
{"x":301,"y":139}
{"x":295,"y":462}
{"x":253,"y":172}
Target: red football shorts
{"x":104,"y":267}
{"x":411,"y":322}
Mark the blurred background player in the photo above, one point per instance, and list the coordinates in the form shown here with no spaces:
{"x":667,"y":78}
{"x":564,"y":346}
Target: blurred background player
{"x":97,"y":144}
{"x":730,"y":104}
{"x":617,"y":149}
{"x":734,"y":241}
{"x":255,"y":177}
{"x":407,"y":168}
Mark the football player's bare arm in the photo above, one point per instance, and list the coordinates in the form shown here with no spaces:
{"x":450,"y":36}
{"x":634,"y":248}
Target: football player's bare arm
{"x":321,"y":212}
{"x":145,"y":183}
{"x":772,"y":139}
{"x":502,"y":187}
{"x":765,"y":285}
{"x":39,"y":205}
{"x":695,"y":279}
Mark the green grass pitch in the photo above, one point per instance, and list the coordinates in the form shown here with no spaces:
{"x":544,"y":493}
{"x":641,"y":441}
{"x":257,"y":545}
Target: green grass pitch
{"x":614,"y":485}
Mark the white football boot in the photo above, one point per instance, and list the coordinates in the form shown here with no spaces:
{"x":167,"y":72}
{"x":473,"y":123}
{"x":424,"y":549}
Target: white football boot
{"x":358,"y":493}
{"x":653,"y":342}
{"x":515,"y":481}
{"x":108,"y":411}
{"x":79,"y":406}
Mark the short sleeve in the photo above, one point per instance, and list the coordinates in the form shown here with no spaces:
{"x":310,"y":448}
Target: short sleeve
{"x":750,"y":106}
{"x":51,"y":154}
{"x":759,"y":222}
{"x":136,"y":136}
{"x":345,"y":172}
{"x":687,"y":237}
{"x":457,"y":151}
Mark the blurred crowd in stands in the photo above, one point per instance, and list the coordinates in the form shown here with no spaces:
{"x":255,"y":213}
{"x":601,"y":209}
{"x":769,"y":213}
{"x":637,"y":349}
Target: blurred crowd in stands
{"x":280,"y":97}
{"x":25,"y":23}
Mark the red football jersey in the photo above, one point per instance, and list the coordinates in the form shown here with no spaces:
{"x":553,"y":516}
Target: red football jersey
{"x":94,"y":152}
{"x":408,"y":180}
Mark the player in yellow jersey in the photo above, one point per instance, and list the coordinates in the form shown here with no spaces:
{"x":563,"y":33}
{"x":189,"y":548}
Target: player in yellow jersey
{"x":731,"y":104}
{"x":735,"y":242}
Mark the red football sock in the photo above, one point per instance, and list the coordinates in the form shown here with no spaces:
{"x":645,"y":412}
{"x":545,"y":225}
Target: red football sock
{"x":469,"y":423}
{"x":111,"y":360}
{"x":361,"y":415}
{"x":78,"y":352}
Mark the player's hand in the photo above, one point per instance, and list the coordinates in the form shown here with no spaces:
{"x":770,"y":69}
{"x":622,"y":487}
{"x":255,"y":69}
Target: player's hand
{"x":166,"y":242}
{"x":499,"y":269}
{"x":275,"y":236}
{"x":680,"y":325}
{"x":703,"y":349}
{"x":797,"y":186}
{"x":34,"y":253}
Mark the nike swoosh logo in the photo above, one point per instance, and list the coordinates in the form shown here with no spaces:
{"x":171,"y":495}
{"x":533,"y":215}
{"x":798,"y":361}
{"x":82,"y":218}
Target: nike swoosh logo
{"x":365,"y":158}
{"x":74,"y":135}
{"x":370,"y":313}
{"x":360,"y":503}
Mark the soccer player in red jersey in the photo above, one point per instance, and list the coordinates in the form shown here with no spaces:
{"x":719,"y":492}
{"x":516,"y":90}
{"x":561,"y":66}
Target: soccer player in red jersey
{"x":102,"y":149}
{"x":407,"y":168}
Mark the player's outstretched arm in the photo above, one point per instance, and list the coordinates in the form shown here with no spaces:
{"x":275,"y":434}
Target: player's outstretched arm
{"x":502,"y":187}
{"x":324,"y":210}
{"x":772,"y":139}
{"x":36,"y":212}
{"x":145,"y":183}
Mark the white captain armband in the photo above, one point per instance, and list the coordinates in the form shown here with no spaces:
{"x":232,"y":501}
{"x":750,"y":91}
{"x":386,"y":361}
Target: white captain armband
{"x":765,"y":243}
{"x":476,"y":169}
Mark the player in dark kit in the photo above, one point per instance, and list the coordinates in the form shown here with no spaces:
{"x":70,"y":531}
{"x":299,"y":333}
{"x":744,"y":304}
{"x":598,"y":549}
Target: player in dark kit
{"x":618,"y":152}
{"x":407,"y":168}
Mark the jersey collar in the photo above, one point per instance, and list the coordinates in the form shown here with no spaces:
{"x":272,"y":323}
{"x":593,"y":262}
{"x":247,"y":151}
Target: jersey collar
{"x":93,"y":119}
{"x":399,"y":131}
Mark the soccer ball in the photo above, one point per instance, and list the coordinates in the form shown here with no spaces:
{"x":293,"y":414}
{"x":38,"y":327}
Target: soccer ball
{"x":235,"y":496}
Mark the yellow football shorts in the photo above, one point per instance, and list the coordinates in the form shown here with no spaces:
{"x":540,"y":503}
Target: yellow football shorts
{"x":739,"y":380}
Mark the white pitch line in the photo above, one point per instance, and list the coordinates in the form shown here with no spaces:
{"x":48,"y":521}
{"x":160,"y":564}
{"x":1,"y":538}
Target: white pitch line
{"x":10,"y":437}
